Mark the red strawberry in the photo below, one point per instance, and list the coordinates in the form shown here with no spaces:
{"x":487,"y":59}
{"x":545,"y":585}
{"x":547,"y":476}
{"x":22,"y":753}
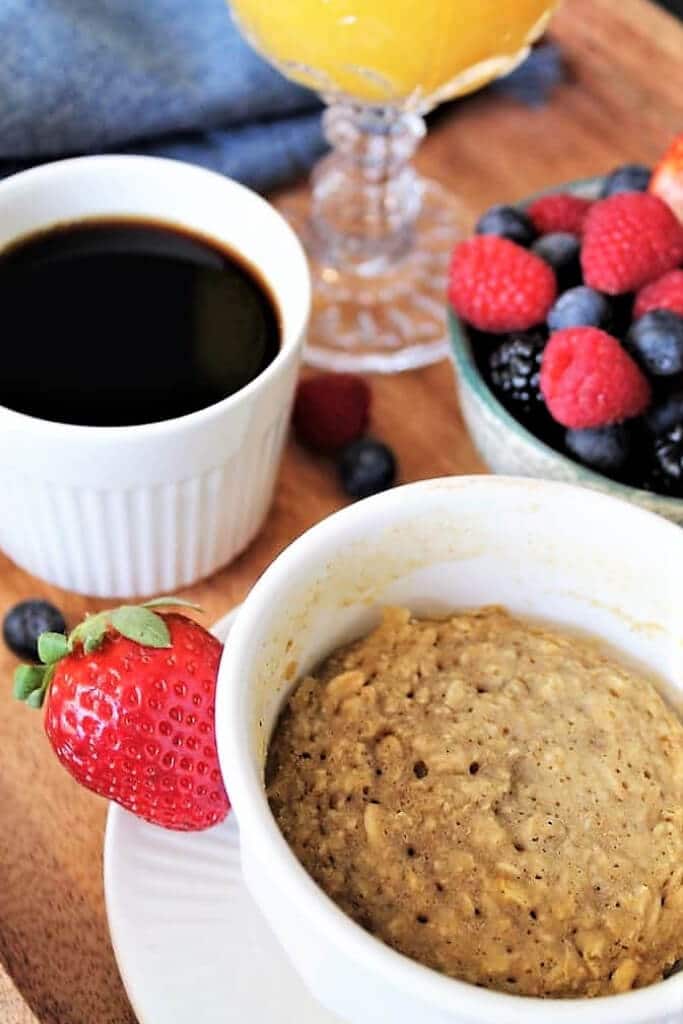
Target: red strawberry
{"x":559,"y":212}
{"x":331,"y":410}
{"x":667,"y":180}
{"x":588,"y":380}
{"x":130,"y":712}
{"x":664,"y":293}
{"x":629,"y":239}
{"x":498,"y":286}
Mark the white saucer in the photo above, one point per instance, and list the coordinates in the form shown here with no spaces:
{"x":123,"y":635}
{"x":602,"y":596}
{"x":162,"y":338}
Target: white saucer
{"x":190,"y":943}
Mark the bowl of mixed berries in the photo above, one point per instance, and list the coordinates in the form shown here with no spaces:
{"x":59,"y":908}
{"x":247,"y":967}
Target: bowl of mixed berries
{"x":567,"y":334}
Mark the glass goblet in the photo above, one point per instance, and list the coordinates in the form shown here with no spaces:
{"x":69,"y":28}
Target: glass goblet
{"x":378,"y":235}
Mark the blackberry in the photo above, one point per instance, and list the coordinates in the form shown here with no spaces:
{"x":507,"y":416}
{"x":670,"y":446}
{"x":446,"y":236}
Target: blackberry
{"x":650,"y":479}
{"x":669,"y":455}
{"x":655,"y":480}
{"x":515,"y":368}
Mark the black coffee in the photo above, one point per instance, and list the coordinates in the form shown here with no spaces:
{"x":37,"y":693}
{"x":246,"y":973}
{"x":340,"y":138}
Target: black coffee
{"x":117,"y":322}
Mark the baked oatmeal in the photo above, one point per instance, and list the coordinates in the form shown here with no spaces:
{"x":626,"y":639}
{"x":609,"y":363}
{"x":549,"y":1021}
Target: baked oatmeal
{"x":495,"y":799}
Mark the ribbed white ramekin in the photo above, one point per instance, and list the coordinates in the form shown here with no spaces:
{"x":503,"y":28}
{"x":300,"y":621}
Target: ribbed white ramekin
{"x":123,"y":511}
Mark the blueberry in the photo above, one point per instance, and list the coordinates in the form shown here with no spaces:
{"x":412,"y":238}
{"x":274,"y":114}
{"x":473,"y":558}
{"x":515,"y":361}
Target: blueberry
{"x":561,"y":251}
{"x":665,"y":414}
{"x":515,"y":367}
{"x":24,"y":623}
{"x":628,"y":178}
{"x":366,"y":467}
{"x":603,"y":448}
{"x":507,"y":222}
{"x":656,"y":340}
{"x":580,"y":307}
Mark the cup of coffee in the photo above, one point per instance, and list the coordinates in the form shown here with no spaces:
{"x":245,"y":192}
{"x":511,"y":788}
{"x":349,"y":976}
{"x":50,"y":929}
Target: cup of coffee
{"x":153,"y":317}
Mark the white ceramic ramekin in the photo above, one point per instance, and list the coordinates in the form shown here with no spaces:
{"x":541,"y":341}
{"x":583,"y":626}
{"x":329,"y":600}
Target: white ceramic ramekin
{"x":572,"y":556}
{"x":120,"y":511}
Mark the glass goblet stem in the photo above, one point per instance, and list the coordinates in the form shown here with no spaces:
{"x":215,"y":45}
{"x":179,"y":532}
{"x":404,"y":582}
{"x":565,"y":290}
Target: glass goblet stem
{"x":378,"y":238}
{"x":367,"y":195}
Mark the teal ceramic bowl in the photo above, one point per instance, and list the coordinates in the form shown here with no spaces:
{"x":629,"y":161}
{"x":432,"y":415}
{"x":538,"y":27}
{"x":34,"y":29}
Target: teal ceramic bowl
{"x":509,"y":448}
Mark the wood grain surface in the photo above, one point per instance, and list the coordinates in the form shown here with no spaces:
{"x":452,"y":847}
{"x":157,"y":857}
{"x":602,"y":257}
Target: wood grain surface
{"x":13,"y":1007}
{"x":623,"y":102}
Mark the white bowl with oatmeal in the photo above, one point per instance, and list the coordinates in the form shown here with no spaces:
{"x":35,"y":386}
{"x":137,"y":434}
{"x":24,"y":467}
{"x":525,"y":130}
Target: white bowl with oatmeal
{"x":551,"y":554}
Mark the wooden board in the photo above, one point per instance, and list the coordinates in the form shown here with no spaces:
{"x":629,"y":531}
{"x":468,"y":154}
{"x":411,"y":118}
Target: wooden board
{"x":13,"y":1007}
{"x":623,"y":103}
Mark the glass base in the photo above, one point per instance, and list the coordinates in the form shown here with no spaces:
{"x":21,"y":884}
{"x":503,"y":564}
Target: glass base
{"x":386,"y":322}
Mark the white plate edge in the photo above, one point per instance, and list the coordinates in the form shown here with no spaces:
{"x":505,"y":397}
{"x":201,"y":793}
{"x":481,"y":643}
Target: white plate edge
{"x":220,"y":630}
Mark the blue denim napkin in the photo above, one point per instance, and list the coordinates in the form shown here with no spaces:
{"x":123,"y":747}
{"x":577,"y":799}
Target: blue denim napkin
{"x":167,"y":77}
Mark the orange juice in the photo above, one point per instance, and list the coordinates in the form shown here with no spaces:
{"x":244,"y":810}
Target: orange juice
{"x":412,"y":52}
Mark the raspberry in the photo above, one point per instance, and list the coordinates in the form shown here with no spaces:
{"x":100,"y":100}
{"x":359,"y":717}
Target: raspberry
{"x":561,"y":212}
{"x":664,"y":293}
{"x":497,"y":286}
{"x":629,"y":239}
{"x":331,"y":410}
{"x":588,"y":380}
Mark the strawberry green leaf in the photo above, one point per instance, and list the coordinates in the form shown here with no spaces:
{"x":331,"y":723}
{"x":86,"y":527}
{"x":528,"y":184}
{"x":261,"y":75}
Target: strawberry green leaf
{"x":52,"y":647}
{"x":141,"y":625}
{"x":35,"y":698}
{"x":90,"y":632}
{"x":27,"y":679}
{"x":171,"y":602}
